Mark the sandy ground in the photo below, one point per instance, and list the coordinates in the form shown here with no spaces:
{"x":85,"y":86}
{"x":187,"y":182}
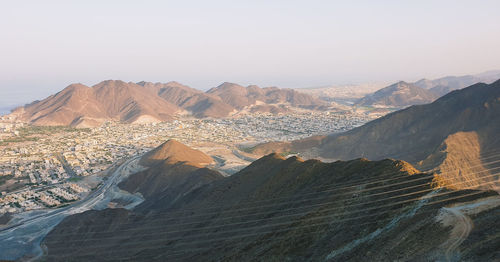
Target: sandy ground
{"x":228,"y":158}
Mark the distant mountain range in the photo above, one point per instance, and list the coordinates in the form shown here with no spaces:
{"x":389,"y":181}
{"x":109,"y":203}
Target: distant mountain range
{"x":444,"y":85}
{"x":342,"y":94}
{"x":82,"y":106}
{"x":403,"y":94}
{"x":398,"y":95}
{"x":275,"y":209}
{"x":240,"y":97}
{"x":454,"y":131}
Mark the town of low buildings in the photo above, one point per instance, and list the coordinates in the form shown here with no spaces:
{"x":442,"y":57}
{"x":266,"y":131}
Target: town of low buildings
{"x":45,"y":164}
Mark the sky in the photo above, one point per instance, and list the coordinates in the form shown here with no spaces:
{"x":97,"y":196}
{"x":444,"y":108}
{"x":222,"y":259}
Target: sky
{"x":47,"y":45}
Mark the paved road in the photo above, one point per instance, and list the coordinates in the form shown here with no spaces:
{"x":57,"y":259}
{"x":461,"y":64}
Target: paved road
{"x":243,"y":157}
{"x":24,"y":238}
{"x":66,"y":165}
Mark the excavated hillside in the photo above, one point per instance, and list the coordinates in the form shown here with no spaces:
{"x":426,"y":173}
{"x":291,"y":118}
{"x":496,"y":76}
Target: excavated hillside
{"x":281,"y":209}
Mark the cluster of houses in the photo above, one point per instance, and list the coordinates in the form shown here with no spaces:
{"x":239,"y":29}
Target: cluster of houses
{"x":30,"y":199}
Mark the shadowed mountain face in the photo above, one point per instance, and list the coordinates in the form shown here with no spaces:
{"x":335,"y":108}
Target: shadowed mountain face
{"x":458,"y":129}
{"x":82,"y":106}
{"x":173,"y":170}
{"x":199,"y":103}
{"x":415,"y":132}
{"x":276,"y":208}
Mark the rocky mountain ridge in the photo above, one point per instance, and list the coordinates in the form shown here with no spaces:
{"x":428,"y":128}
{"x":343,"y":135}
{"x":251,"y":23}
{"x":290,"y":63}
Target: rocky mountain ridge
{"x":82,"y":106}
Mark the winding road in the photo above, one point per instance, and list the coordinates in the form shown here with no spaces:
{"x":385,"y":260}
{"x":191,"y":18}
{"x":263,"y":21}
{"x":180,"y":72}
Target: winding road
{"x":459,"y":233}
{"x":23,"y":239}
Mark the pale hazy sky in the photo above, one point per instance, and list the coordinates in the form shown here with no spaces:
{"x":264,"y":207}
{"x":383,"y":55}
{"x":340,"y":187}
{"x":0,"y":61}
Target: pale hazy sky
{"x":46,"y":45}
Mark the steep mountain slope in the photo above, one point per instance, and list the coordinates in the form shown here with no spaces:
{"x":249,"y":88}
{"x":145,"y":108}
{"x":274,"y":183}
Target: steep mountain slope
{"x":172,"y":151}
{"x":173,"y":92}
{"x":174,"y":169}
{"x":63,"y":108}
{"x":131,"y":101}
{"x":428,"y":136}
{"x":79,"y":105}
{"x":235,"y":95}
{"x":281,"y":209}
{"x":196,"y":102}
{"x":399,"y":95}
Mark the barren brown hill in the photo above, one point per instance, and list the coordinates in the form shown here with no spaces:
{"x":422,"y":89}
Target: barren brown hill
{"x":173,"y":170}
{"x":172,"y":151}
{"x":453,"y":133}
{"x":286,"y":210}
{"x":206,"y":105}
{"x":79,"y":105}
{"x":173,"y":92}
{"x":198,"y":103}
{"x":167,"y":181}
{"x":82,"y":106}
{"x":236,"y":95}
{"x":240,"y":97}
{"x":276,"y":95}
{"x":399,"y":95}
{"x":131,"y":101}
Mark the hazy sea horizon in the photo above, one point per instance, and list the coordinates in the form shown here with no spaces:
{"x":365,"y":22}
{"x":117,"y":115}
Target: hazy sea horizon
{"x":6,"y":109}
